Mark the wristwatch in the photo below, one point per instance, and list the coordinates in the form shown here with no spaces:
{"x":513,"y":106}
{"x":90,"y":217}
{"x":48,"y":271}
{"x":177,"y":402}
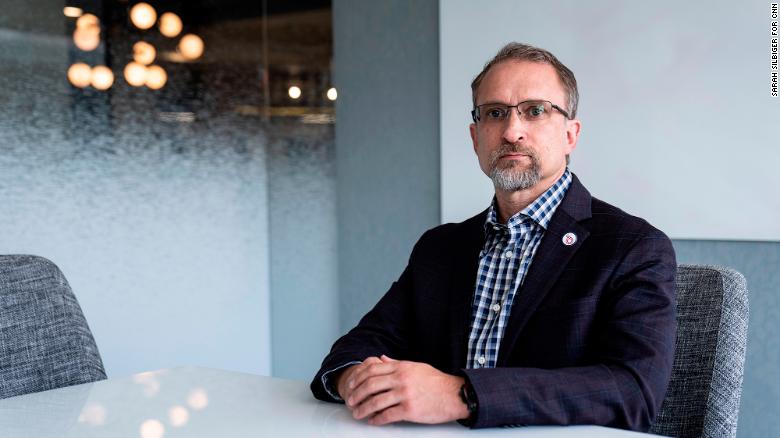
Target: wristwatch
{"x":469,"y":397}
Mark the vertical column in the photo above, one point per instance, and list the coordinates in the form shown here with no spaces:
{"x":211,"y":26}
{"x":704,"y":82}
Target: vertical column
{"x":386,"y":70}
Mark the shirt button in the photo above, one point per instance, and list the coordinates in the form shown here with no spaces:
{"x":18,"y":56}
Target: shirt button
{"x":481,"y":360}
{"x":496,"y":307}
{"x":508,"y":254}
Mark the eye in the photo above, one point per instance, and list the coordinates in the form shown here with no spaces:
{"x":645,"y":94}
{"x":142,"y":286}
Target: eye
{"x":535,"y":111}
{"x":494,"y":112}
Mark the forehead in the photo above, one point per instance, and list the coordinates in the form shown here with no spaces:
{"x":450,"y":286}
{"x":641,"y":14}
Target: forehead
{"x":514,"y":81}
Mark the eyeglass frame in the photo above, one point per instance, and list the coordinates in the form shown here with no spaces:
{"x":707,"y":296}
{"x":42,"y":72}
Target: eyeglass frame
{"x":475,"y":114}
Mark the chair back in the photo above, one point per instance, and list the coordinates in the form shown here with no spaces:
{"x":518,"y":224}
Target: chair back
{"x":704,"y":392}
{"x":45,"y":342}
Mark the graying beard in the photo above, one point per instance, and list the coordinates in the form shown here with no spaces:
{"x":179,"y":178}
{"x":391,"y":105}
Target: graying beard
{"x":509,"y":179}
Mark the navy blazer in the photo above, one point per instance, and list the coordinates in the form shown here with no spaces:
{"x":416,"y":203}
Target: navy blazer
{"x":590,"y":337}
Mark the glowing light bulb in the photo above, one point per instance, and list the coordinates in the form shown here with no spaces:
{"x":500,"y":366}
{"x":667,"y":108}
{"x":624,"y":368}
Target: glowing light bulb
{"x":86,"y":39}
{"x":72,"y":12}
{"x":143,"y":15}
{"x":294,"y":92}
{"x":332,"y":93}
{"x":135,"y":74}
{"x":80,"y":75}
{"x":102,"y":77}
{"x":170,"y":24}
{"x":87,"y":21}
{"x":191,"y":46}
{"x":156,"y":77}
{"x":87,"y":34}
{"x":144,"y":53}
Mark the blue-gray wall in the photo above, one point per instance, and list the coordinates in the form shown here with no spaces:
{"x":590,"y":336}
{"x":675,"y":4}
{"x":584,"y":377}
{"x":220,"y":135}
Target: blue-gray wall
{"x":386,"y":69}
{"x":634,"y":61}
{"x":302,"y":235}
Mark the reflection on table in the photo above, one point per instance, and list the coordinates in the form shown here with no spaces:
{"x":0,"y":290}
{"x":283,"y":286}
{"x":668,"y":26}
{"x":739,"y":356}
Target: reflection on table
{"x":202,"y":402}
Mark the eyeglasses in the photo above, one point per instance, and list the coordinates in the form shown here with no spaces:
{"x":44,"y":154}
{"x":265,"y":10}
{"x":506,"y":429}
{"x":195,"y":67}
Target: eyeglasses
{"x":529,"y":111}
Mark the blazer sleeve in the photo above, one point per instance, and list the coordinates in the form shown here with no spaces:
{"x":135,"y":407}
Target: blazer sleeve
{"x":385,"y":329}
{"x":624,"y":381}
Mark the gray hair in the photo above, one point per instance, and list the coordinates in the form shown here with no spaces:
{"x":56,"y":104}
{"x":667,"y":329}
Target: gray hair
{"x":525,"y":52}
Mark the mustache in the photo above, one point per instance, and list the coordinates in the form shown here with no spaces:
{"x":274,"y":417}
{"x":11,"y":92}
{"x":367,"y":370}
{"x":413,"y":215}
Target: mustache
{"x":509,"y":148}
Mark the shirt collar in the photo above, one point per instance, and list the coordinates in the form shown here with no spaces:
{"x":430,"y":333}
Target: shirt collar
{"x":540,"y":210}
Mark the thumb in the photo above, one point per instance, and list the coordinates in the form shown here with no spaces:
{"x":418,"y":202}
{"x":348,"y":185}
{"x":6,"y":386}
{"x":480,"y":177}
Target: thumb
{"x":386,"y":358}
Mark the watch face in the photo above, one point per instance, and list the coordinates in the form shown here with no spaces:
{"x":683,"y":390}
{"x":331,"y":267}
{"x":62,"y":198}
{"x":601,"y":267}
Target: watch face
{"x":463,"y":395}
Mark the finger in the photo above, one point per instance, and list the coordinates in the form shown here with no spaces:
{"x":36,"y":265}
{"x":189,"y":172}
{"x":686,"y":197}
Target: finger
{"x":370,"y":387}
{"x":342,"y":385}
{"x":385,"y":358}
{"x":372,"y":359}
{"x":371,"y":370}
{"x":351,"y":370}
{"x":375,"y":404}
{"x":354,"y":369}
{"x":390,"y":415}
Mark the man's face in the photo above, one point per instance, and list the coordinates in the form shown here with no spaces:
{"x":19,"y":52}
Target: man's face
{"x":518,"y":154}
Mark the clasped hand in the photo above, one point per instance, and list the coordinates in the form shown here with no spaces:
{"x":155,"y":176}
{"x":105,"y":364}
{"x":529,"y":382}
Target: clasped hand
{"x":386,"y":390}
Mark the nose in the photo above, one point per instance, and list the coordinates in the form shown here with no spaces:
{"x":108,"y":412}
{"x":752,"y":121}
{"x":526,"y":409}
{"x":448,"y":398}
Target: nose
{"x":514,"y":128}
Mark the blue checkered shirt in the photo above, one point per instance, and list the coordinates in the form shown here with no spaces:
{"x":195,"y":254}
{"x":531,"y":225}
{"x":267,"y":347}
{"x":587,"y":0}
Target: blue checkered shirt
{"x":503,"y":263}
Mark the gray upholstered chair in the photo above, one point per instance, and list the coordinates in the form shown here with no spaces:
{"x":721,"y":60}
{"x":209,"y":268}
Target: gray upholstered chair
{"x":45,"y":342}
{"x":704,"y":392}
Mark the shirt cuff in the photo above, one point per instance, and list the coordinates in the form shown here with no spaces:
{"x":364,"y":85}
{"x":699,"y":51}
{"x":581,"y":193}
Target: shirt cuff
{"x":329,"y":386}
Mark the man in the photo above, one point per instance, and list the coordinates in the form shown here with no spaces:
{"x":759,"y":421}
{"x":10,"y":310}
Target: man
{"x":550,"y":307}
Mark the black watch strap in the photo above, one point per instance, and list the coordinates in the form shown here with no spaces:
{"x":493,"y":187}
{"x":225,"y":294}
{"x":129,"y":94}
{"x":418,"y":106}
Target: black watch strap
{"x":469,"y":397}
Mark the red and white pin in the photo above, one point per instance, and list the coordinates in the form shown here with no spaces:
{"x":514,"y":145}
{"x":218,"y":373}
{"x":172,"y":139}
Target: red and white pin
{"x":569,"y":239}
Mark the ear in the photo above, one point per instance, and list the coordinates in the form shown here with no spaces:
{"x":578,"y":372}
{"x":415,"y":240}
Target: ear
{"x":473,"y":132}
{"x":572,"y":134}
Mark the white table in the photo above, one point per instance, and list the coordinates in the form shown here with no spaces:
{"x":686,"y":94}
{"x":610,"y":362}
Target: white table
{"x":201,"y":402}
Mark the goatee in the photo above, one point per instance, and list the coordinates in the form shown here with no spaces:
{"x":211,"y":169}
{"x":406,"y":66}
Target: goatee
{"x":511,"y":176}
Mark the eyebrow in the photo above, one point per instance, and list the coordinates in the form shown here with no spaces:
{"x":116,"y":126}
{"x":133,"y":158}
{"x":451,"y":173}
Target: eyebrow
{"x":504,"y":103}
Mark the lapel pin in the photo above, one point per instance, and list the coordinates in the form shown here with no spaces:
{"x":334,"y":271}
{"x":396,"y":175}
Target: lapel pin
{"x":569,"y":239}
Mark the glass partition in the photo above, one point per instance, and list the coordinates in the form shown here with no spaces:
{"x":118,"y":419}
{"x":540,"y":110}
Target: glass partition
{"x":175,"y":159}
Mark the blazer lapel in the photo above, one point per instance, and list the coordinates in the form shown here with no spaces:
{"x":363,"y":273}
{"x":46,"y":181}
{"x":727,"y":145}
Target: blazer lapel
{"x":464,"y":278}
{"x":550,"y":259}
